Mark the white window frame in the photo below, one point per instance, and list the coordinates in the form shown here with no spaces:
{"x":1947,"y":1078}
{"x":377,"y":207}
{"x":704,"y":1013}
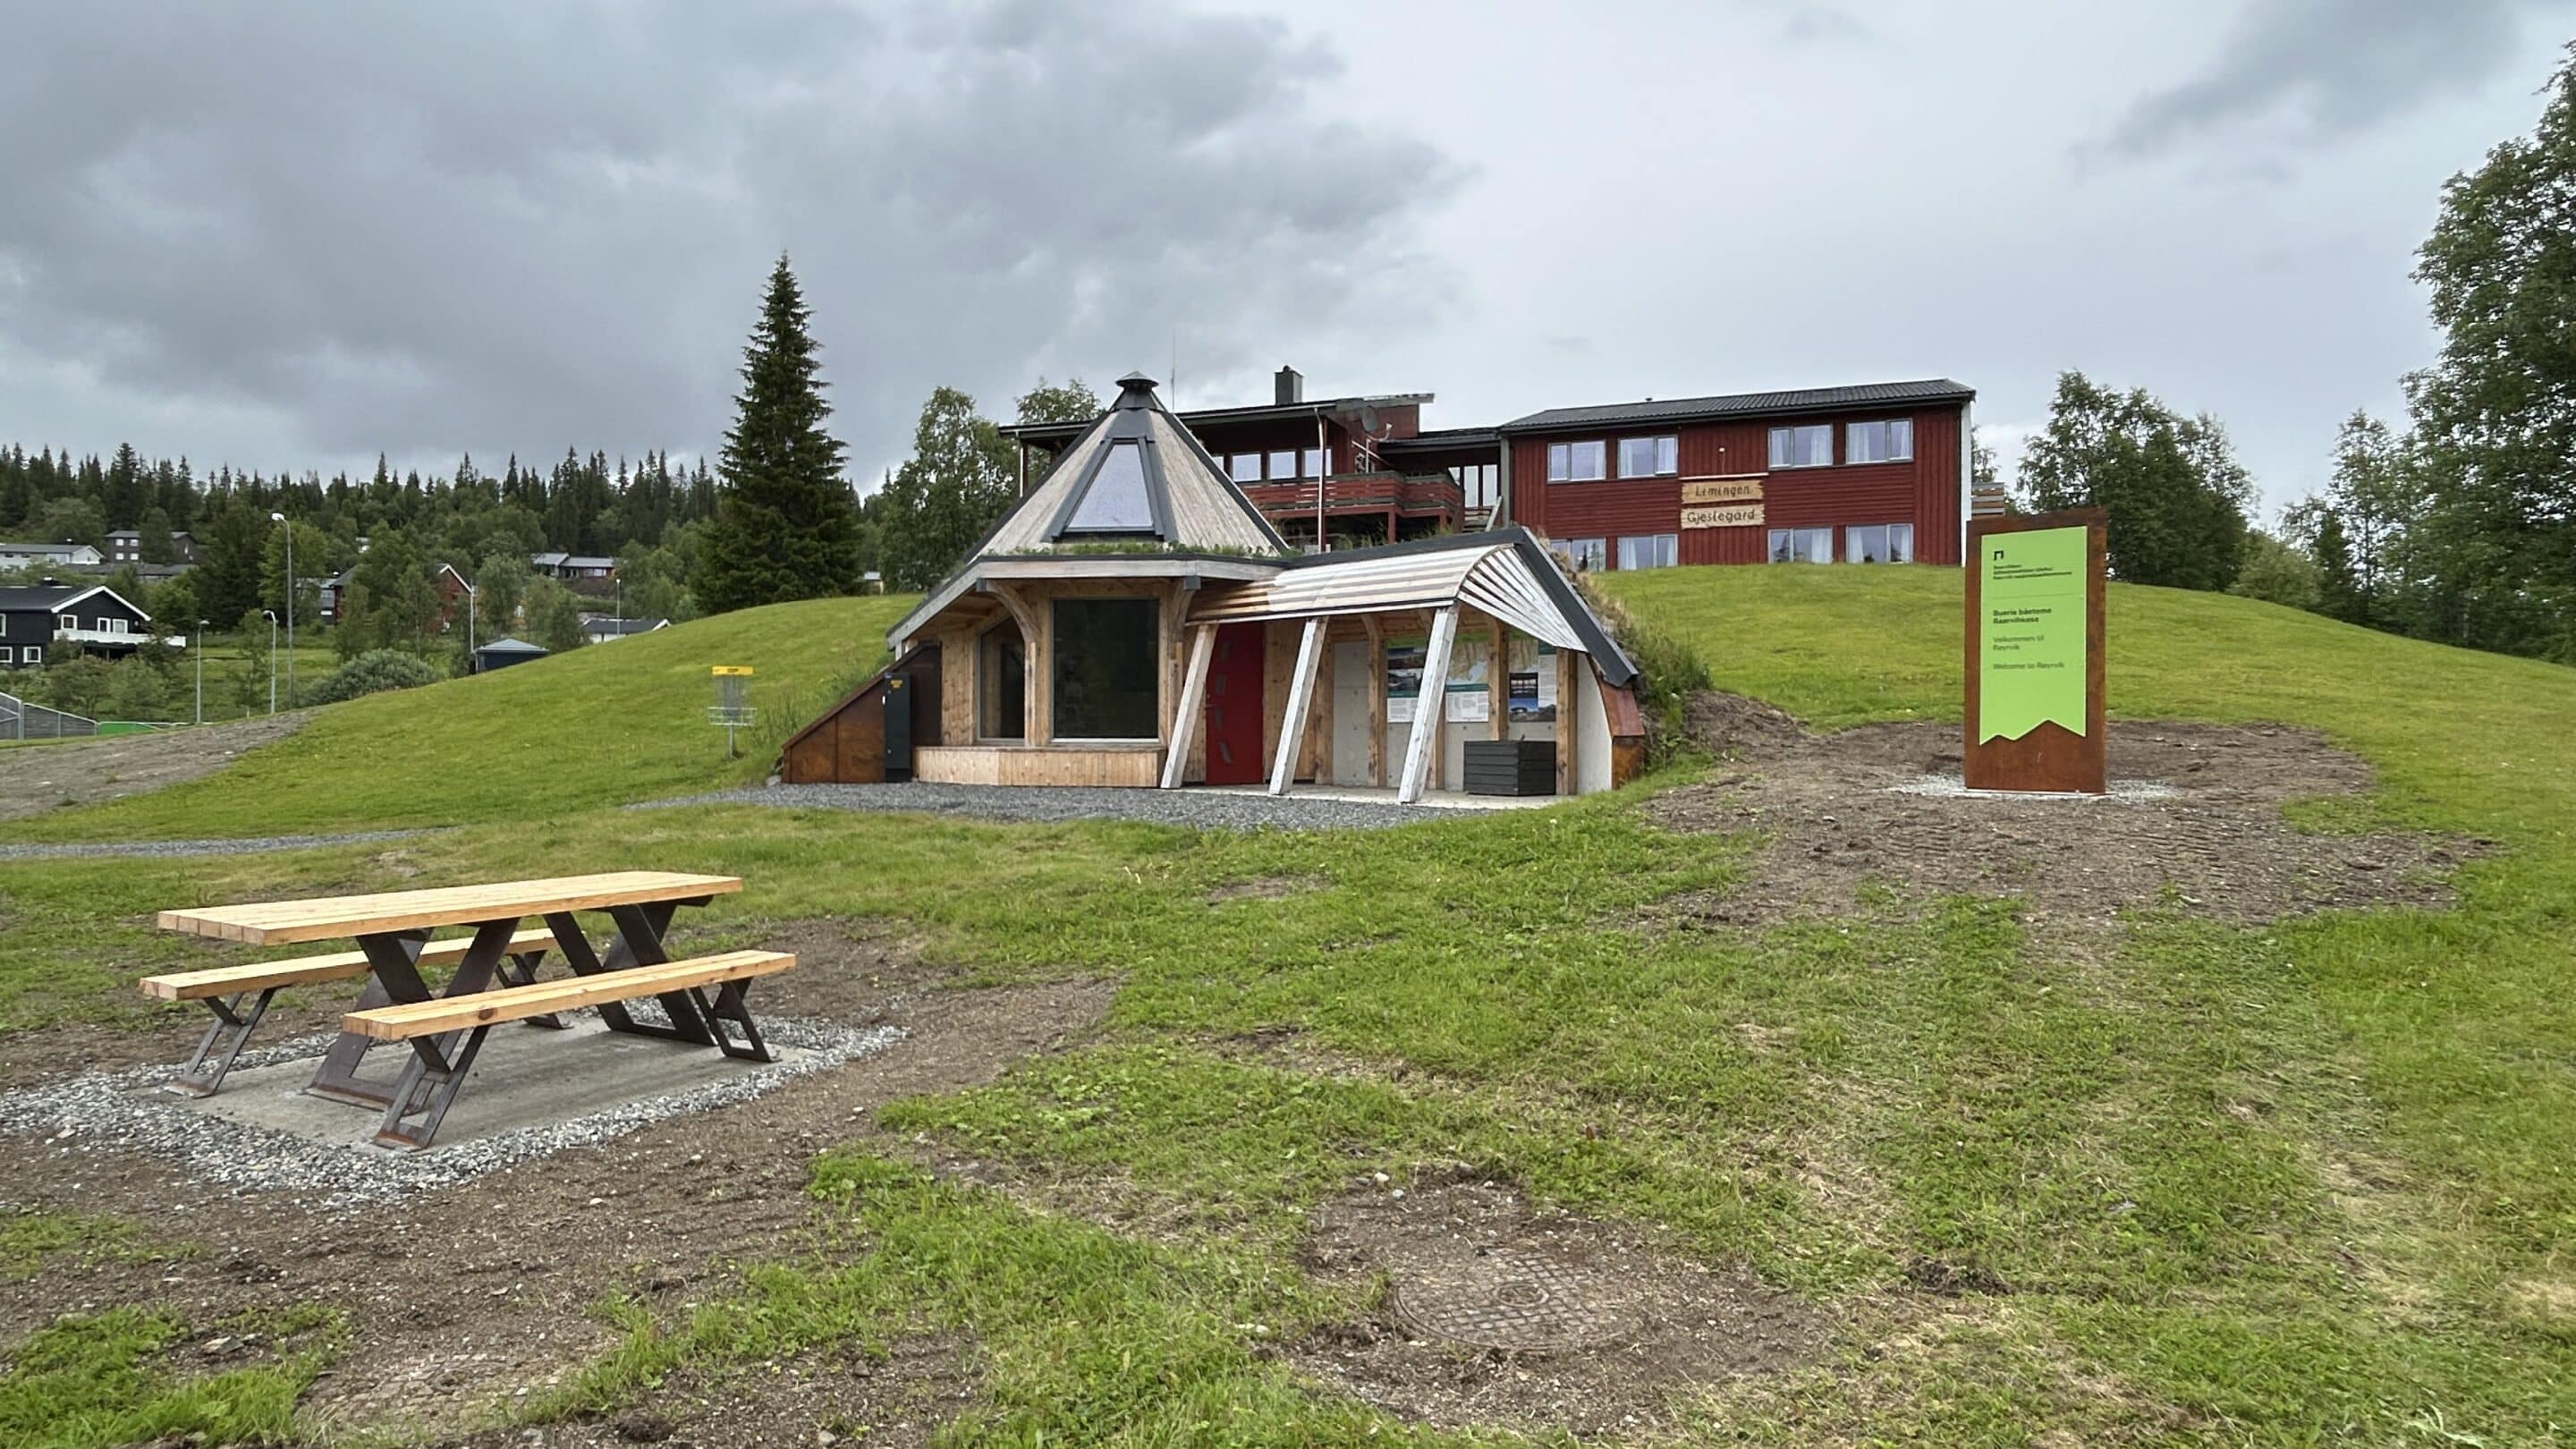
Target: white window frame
{"x":1887,"y":536}
{"x":1560,"y":461}
{"x":1310,"y":463}
{"x":110,"y":625}
{"x":1771,"y":550}
{"x":1662,"y":550}
{"x":1667,"y":457}
{"x":1277,"y":476}
{"x":6,"y":655}
{"x":1234,"y":464}
{"x":68,"y":623}
{"x":1587,"y":555}
{"x":33,"y":654}
{"x":1794,"y":430}
{"x":1853,"y":432}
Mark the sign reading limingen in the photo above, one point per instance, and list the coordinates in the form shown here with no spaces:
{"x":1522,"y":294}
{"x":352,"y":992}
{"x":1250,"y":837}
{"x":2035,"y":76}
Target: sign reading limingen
{"x":2032,"y":588}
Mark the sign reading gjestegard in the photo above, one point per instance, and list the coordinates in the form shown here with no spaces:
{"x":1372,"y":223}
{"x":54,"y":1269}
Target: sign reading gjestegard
{"x":2031,"y":648}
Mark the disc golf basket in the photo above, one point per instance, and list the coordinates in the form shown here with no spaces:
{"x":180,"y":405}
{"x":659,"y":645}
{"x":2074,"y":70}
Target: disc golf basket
{"x":732,"y":708}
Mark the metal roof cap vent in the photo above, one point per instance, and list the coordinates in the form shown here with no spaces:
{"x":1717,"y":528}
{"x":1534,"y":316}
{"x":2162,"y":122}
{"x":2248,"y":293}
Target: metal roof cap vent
{"x":1135,"y":390}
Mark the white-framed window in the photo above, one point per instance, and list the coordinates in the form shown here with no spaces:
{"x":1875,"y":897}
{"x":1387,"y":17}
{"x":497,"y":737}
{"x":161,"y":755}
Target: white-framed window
{"x":1244,"y":467}
{"x":1878,"y":543}
{"x":1891,"y":441}
{"x":1650,"y":551}
{"x":1802,"y":545}
{"x":114,"y":626}
{"x":5,"y":657}
{"x":32,"y":654}
{"x":1806,"y":446}
{"x":1283,"y":465}
{"x":1588,"y":555}
{"x":1649,"y":457}
{"x":1481,"y":482}
{"x":1577,"y":462}
{"x":1310,"y":463}
{"x":70,"y":623}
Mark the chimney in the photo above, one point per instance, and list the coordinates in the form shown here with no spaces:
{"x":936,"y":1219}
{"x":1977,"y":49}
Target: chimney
{"x":1292,"y":387}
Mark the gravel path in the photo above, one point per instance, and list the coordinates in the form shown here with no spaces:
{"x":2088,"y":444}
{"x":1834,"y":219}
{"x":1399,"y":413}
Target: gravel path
{"x":1198,"y":809}
{"x":256,"y":845}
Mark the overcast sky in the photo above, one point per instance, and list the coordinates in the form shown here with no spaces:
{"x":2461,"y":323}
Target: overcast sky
{"x":293,"y":236}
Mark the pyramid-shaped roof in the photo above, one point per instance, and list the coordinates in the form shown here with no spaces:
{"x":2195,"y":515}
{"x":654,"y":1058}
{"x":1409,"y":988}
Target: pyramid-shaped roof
{"x":1135,"y":476}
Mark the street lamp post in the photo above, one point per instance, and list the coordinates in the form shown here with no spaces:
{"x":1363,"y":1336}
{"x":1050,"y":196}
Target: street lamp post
{"x":271,"y":616}
{"x":290,"y":619}
{"x":473,"y":601}
{"x":201,"y":671}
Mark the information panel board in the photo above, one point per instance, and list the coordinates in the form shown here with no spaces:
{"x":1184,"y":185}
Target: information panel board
{"x":2034,"y":661}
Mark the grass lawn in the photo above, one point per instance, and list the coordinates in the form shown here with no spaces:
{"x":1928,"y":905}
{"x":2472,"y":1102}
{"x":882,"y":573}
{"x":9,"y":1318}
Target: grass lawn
{"x":2287,"y":1185}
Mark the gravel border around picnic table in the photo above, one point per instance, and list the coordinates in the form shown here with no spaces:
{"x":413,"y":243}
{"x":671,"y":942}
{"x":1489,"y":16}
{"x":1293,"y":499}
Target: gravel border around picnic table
{"x":1197,"y":809}
{"x":254,"y":845}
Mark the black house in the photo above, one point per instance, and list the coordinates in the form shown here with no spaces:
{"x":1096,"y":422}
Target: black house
{"x":42,"y":622}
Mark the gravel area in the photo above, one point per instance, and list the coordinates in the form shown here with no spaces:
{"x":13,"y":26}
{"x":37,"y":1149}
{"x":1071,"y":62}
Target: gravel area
{"x":256,"y":845}
{"x":127,"y":1111}
{"x":1198,"y":809}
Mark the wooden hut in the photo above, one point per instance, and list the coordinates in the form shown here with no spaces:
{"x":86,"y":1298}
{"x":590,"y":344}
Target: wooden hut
{"x":1134,"y":620}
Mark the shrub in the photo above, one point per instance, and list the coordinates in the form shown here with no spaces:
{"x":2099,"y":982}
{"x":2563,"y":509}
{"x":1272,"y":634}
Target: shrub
{"x":1669,"y":672}
{"x":375,"y":670}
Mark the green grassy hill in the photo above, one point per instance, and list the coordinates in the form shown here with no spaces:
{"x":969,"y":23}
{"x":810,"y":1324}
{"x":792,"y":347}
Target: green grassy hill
{"x":606,"y":724}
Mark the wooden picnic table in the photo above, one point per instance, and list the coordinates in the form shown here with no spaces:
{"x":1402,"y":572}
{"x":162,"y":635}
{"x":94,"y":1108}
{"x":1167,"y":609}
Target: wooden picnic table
{"x":392,"y":932}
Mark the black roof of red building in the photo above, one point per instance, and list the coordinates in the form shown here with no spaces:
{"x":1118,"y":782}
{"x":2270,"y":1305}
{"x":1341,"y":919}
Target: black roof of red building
{"x":1746,"y":404}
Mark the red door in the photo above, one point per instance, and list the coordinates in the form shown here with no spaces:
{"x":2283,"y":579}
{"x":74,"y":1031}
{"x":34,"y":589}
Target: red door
{"x":1234,"y":706}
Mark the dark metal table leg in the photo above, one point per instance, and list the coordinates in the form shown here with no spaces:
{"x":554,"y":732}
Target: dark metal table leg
{"x":232,"y":1028}
{"x":394,"y":958}
{"x":428,"y":1088}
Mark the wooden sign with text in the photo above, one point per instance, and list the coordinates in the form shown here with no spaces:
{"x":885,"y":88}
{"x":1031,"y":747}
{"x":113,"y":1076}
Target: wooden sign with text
{"x":1722,"y":490}
{"x":1732,"y":515}
{"x":2034,"y":653}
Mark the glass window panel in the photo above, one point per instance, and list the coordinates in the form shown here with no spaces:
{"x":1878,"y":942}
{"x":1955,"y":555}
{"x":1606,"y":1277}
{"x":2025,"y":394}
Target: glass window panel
{"x":1668,"y":455}
{"x":1649,"y":551}
{"x":1900,"y":543}
{"x":1311,"y":464}
{"x":1819,"y":541}
{"x":1589,"y":461}
{"x":1559,"y":457}
{"x":1780,"y":545}
{"x":1864,"y":543}
{"x":1104,"y":669}
{"x":1283,"y":465}
{"x":1802,"y":447}
{"x":1116,"y":501}
{"x":1244,"y":467}
{"x":1636,"y":457}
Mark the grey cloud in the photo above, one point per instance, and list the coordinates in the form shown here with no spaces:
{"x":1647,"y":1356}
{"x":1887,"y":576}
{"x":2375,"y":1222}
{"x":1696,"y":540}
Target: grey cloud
{"x":2329,"y":67}
{"x":506,"y":226}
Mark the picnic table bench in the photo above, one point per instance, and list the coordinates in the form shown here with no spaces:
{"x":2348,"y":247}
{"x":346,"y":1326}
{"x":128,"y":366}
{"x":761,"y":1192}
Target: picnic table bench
{"x":702,"y":999}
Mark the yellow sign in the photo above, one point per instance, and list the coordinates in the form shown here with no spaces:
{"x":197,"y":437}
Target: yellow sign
{"x":1722,"y":490}
{"x":1733,"y":515}
{"x":731,"y":669}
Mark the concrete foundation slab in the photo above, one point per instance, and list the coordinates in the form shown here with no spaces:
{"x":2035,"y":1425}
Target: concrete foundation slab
{"x":525,"y":1077}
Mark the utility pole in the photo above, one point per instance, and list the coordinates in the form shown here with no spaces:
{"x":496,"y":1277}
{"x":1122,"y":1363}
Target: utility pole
{"x":271,"y":616}
{"x":473,"y":601}
{"x":290,"y":622}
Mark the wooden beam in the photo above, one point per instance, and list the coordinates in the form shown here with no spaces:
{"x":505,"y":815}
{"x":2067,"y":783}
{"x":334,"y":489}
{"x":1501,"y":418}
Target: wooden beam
{"x":1424,"y":742}
{"x":1185,"y":724}
{"x":1377,"y":700}
{"x":1301,"y":705}
{"x":1566,"y":715}
{"x":1036,"y":720}
{"x":1498,"y":686}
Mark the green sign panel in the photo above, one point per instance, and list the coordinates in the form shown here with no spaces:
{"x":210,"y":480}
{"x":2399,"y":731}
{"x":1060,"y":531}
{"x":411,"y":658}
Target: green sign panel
{"x":2030,"y":654}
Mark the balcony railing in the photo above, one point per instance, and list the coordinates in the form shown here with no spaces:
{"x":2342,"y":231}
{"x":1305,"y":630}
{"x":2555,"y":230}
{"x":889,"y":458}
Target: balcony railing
{"x":1432,"y":495}
{"x":112,"y":636}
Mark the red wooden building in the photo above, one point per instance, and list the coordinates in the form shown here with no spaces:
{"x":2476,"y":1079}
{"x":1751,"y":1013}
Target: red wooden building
{"x":1867,"y":474}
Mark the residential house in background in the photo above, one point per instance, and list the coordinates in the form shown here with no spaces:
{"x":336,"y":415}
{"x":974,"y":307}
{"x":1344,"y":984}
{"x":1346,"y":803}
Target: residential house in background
{"x":48,"y":555}
{"x":600,"y":629}
{"x":502,"y":653}
{"x":450,"y":585}
{"x":1874,"y":473}
{"x":124,"y":545}
{"x":334,"y":590}
{"x":573,"y":567}
{"x":49,"y":622}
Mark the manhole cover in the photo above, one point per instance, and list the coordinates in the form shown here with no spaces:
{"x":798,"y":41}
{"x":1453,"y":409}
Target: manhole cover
{"x":1510,"y":1300}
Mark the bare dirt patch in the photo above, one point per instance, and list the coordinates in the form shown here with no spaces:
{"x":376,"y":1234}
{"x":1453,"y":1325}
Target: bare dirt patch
{"x":459,"y":1300}
{"x":38,"y":778}
{"x":2205,"y":832}
{"x":1266,"y":888}
{"x":1495,"y":1314}
{"x":811,"y":1402}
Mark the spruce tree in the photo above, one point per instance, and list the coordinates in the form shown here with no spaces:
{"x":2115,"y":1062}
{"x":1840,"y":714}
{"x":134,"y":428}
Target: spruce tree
{"x":786,"y":526}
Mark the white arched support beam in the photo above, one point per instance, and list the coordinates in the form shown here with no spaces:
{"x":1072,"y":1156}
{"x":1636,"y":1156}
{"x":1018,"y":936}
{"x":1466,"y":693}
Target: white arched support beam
{"x":1185,"y":722}
{"x":1301,"y":706}
{"x":1428,"y":705}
